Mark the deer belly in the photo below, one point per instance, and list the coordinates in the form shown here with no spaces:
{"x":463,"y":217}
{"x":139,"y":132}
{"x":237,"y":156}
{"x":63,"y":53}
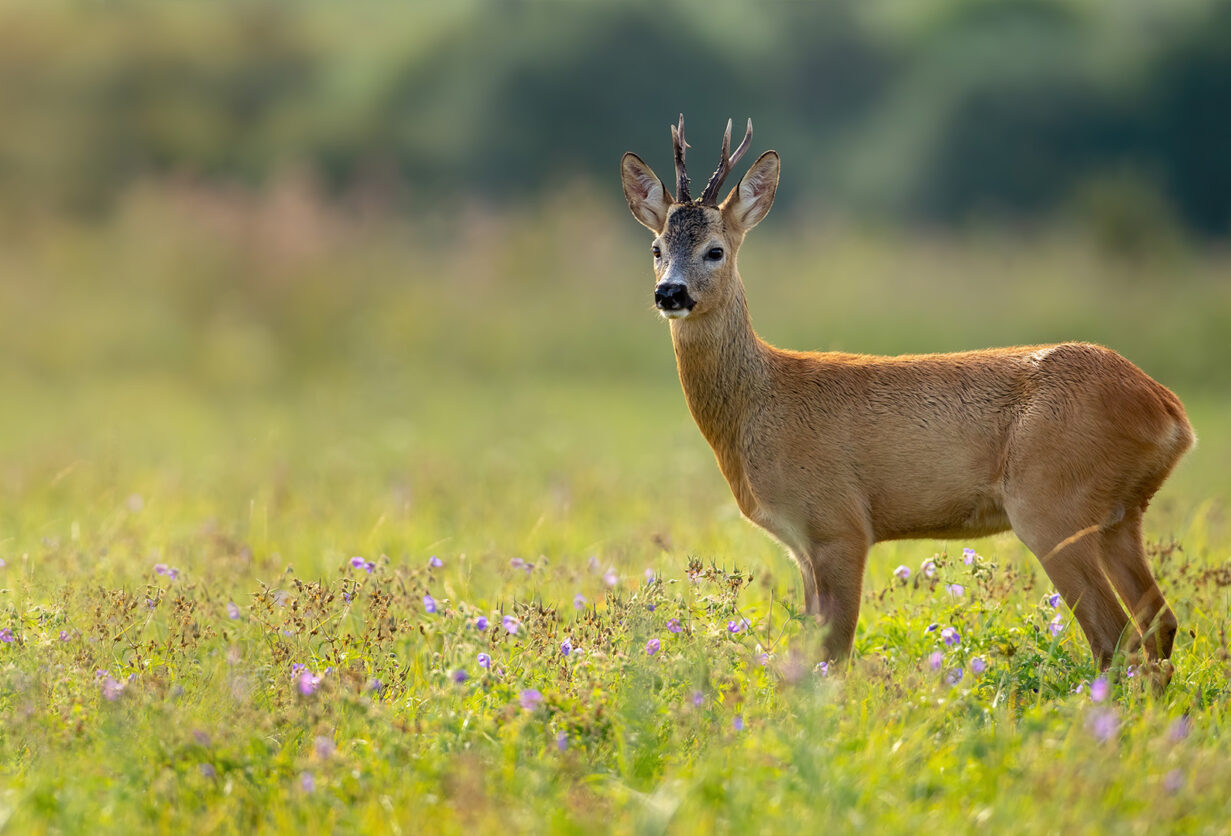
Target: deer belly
{"x":940,"y":516}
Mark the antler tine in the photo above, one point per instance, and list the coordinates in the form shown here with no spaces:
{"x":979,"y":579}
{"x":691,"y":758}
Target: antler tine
{"x":681,"y":175}
{"x":710,"y":195}
{"x":742,"y":149}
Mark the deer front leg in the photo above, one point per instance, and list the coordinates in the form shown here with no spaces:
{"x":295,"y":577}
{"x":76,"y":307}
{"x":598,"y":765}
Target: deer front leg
{"x":835,"y":591}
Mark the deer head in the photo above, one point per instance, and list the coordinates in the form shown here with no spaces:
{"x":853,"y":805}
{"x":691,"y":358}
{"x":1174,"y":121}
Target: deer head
{"x":696,"y":241}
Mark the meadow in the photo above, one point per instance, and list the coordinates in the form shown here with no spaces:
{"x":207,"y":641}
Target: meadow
{"x":317,"y":519}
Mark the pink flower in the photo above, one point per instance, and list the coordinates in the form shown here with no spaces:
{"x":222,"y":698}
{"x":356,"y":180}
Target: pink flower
{"x":325,"y":747}
{"x":112,"y":688}
{"x":308,"y":683}
{"x":1099,"y":689}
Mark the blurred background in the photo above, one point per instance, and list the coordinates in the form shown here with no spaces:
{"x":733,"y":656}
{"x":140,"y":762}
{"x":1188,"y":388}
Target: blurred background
{"x":298,"y":234}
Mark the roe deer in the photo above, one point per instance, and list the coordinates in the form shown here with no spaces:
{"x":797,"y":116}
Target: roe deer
{"x":832,"y":452}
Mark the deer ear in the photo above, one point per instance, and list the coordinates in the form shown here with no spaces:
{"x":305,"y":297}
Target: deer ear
{"x":647,"y":196}
{"x":749,"y":202}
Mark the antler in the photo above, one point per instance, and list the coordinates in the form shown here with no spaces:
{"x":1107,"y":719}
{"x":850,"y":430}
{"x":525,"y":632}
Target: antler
{"x":710,"y":195}
{"x":681,"y":176}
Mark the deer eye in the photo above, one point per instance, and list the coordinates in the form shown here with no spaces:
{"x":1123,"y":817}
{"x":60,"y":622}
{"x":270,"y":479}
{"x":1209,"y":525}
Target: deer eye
{"x":658,"y":253}
{"x":714,"y":254}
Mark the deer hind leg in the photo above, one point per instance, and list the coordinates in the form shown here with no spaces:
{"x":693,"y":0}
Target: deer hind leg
{"x":1124,"y":558}
{"x":1070,"y":554}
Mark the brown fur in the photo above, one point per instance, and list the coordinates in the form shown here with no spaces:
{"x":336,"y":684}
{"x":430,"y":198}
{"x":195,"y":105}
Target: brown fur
{"x":833,"y":452}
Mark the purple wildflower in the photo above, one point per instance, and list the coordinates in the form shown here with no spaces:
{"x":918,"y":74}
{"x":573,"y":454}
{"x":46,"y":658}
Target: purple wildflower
{"x":308,"y":683}
{"x":931,"y":628}
{"x":562,"y":741}
{"x":673,"y":625}
{"x":530,"y":699}
{"x":1173,"y":781}
{"x":954,"y":676}
{"x":208,"y":771}
{"x":484,"y":661}
{"x":429,"y":603}
{"x":375,"y":685}
{"x":2,"y":563}
{"x":566,"y":646}
{"x":6,"y":635}
{"x":968,"y":556}
{"x":460,"y":676}
{"x":950,"y":637}
{"x":511,"y":624}
{"x":649,"y":576}
{"x":306,"y":782}
{"x":738,"y":625}
{"x":579,"y":601}
{"x":928,"y":568}
{"x":517,"y":563}
{"x":480,"y":623}
{"x":297,"y":668}
{"x":977,"y":665}
{"x":822,"y":668}
{"x":324,"y":746}
{"x":112,"y":688}
{"x":698,"y":699}
{"x":902,"y":573}
{"x":1103,"y":724}
{"x":1053,"y":600}
{"x":357,"y":562}
{"x":956,"y":590}
{"x":1179,"y":729}
{"x":935,"y":660}
{"x":651,"y":647}
{"x":435,"y":562}
{"x":1055,"y":626}
{"x":610,"y":577}
{"x":593,"y":563}
{"x":1099,"y":689}
{"x":64,"y":636}
{"x":232,"y":610}
{"x":738,"y":722}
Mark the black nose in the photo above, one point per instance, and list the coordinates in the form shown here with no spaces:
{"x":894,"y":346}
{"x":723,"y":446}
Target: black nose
{"x":671,"y":297}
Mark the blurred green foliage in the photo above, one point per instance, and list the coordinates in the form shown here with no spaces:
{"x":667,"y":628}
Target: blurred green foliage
{"x":942,"y":111}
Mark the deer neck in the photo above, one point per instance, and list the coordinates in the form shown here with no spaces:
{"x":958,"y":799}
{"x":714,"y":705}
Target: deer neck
{"x":723,"y":371}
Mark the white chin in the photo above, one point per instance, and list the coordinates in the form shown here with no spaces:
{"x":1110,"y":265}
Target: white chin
{"x":680,"y":314}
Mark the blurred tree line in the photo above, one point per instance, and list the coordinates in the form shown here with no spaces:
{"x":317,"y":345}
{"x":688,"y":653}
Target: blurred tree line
{"x":934,"y":111}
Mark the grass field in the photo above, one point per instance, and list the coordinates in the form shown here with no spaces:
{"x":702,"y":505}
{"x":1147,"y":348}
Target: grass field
{"x":320,"y":524}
